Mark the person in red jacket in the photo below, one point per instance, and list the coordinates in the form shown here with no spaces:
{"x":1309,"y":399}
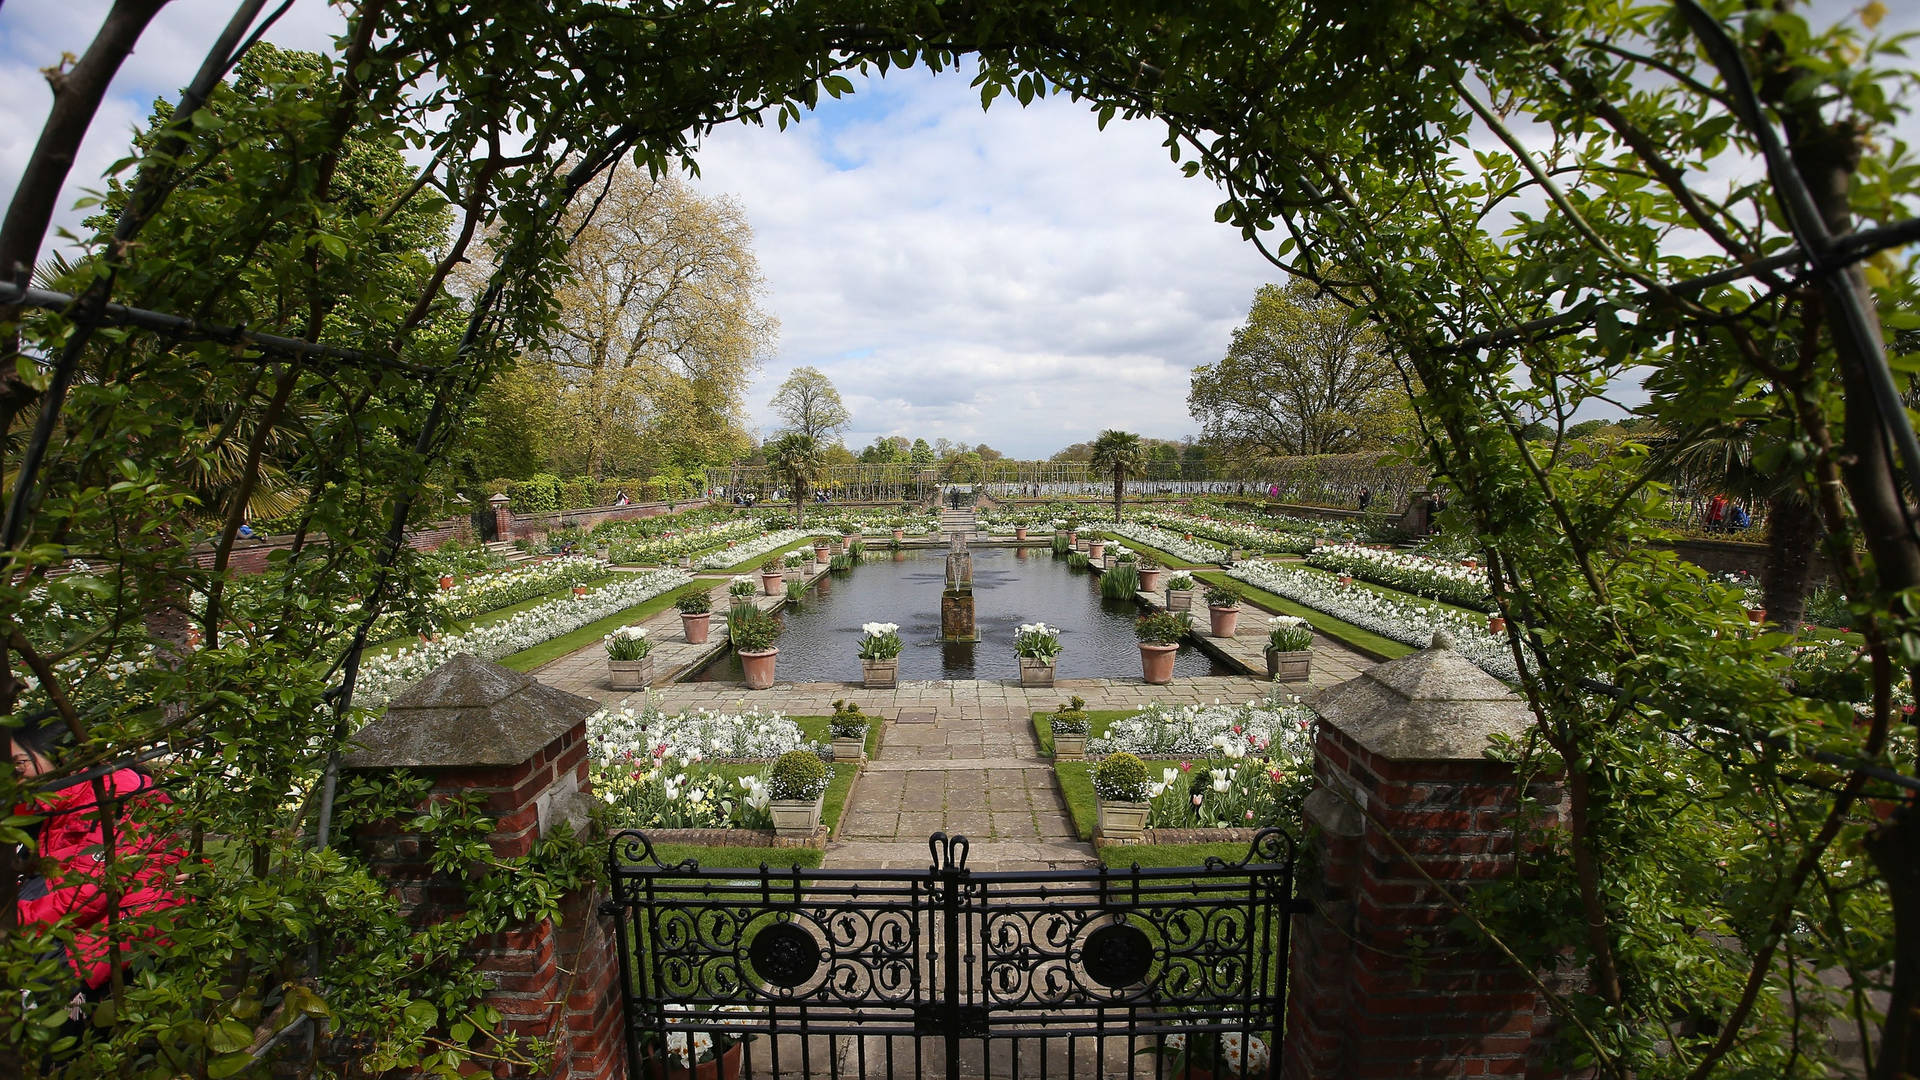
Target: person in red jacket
{"x":66,"y":885}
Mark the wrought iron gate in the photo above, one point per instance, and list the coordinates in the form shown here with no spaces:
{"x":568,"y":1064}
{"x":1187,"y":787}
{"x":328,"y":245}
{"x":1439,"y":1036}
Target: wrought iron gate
{"x":951,"y":972}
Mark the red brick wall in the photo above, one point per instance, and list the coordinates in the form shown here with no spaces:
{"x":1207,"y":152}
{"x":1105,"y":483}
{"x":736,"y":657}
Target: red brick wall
{"x":250,"y":556}
{"x":1381,"y":984}
{"x":531,"y":525}
{"x":554,"y":982}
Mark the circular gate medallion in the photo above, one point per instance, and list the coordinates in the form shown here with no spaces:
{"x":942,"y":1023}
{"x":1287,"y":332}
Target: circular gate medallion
{"x":1118,"y":955}
{"x":784,"y":955}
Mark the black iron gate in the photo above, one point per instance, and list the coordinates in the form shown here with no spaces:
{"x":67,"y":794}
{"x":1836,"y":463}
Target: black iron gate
{"x":951,"y":972}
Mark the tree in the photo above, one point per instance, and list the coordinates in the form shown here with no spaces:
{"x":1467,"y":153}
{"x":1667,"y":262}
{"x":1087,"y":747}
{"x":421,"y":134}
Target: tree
{"x":920,"y":455}
{"x":1300,"y":378}
{"x":1117,"y":452}
{"x":659,"y":328}
{"x":810,"y":405}
{"x":884,"y":450}
{"x":796,"y":460}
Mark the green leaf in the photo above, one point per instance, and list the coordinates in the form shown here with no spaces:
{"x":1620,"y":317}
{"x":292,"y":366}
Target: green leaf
{"x":229,"y":1035}
{"x":228,"y":1064}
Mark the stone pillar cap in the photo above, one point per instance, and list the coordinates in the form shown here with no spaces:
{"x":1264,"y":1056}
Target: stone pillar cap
{"x":1433,"y":705}
{"x":497,"y":498}
{"x":468,"y":713}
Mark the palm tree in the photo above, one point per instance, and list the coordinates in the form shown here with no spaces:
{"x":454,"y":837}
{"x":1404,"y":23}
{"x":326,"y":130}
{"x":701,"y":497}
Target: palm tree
{"x":1725,"y":462}
{"x":796,"y":459}
{"x":1118,"y":452}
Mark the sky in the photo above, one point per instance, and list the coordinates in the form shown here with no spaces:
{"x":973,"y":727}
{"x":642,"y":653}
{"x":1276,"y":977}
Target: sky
{"x":1015,"y":277}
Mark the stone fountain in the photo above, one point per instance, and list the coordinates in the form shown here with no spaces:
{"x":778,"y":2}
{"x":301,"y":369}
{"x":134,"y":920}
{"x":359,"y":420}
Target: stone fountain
{"x":956,"y":600}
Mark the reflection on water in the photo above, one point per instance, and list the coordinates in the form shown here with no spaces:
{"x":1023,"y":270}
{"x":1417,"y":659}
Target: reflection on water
{"x":1011,"y":586}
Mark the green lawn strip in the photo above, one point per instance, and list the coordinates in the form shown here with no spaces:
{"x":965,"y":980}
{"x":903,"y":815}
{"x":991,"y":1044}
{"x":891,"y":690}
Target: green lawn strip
{"x":554,"y":648}
{"x":1339,"y":630}
{"x":1161,"y":557}
{"x":1097,"y":723}
{"x":494,"y":616}
{"x":728,"y":857}
{"x":1147,"y":856}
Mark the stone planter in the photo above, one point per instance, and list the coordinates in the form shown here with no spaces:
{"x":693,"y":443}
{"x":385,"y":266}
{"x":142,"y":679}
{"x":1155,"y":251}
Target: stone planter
{"x":796,"y":817}
{"x":724,"y":1067}
{"x":1235,"y":555}
{"x":1123,"y":820}
{"x":603,"y":553}
{"x":811,"y":568}
{"x":880,"y":674}
{"x":1096,"y":550}
{"x":773,"y":584}
{"x":1069,"y":747}
{"x":1156,"y":663}
{"x":696,"y":625}
{"x":1035,"y":672}
{"x":1180,"y":599}
{"x":853,"y":749}
{"x":686,"y":562}
{"x":1150,"y":579}
{"x":630,"y":674}
{"x":1224,"y":620}
{"x":759,"y":668}
{"x":1081,"y":546}
{"x":1289,"y":666}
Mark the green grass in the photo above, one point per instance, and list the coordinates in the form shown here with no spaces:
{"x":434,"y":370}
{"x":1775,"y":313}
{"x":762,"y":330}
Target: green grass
{"x":1153,"y":855}
{"x":820,"y":728}
{"x":1097,"y":722}
{"x":554,"y":648}
{"x":1398,"y":594}
{"x":744,"y":857}
{"x":1339,"y":630}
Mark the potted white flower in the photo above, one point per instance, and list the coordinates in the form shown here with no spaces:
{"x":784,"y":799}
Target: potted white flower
{"x":1289,"y":648}
{"x":1120,"y":784}
{"x":1038,"y":646}
{"x":880,"y":655}
{"x":796,"y":786}
{"x":849,"y":728}
{"x":1180,"y":592}
{"x":629,"y":658}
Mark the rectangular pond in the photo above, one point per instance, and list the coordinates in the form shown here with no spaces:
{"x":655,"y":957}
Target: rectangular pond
{"x":1011,"y":586}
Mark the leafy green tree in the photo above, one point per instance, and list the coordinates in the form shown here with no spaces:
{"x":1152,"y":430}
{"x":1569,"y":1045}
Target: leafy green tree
{"x":797,"y":461}
{"x":1118,"y":454}
{"x":1300,"y":378}
{"x":920,"y":455}
{"x":810,"y":404}
{"x":884,"y":450}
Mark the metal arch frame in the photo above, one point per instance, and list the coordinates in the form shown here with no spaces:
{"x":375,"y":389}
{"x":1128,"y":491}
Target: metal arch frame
{"x":965,"y":960}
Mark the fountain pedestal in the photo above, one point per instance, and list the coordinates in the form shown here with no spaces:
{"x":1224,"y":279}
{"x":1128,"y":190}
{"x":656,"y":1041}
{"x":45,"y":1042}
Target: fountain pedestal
{"x":956,"y":600}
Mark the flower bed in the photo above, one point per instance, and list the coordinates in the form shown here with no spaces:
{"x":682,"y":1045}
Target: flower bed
{"x":754,"y":548}
{"x":1404,"y":620}
{"x":1267,"y":728}
{"x":479,"y":595}
{"x":689,"y":543}
{"x":1437,"y":579}
{"x":381,"y":677}
{"x":1174,"y":544}
{"x":1237,"y":535}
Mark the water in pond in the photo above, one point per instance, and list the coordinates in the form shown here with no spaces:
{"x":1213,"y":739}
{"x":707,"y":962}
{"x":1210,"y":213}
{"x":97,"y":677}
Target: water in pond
{"x":1011,"y":586}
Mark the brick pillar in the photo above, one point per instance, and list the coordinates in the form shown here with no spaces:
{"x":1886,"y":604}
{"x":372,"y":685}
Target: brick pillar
{"x":502,"y":517}
{"x":475,"y":727}
{"x":1380,"y":986}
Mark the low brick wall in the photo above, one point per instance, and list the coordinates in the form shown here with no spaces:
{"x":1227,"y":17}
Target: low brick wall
{"x":528,"y":526}
{"x":251,"y":555}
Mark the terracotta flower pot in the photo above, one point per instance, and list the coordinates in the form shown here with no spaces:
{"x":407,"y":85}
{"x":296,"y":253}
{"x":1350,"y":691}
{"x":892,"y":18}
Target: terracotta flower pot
{"x":899,"y":534}
{"x":1019,"y":532}
{"x":821,"y":553}
{"x":1073,"y":536}
{"x":1150,"y":580}
{"x":1096,"y":550}
{"x":1496,"y":625}
{"x":579,"y":590}
{"x":446,"y":581}
{"x":1757,"y":614}
{"x":773,"y":584}
{"x":1346,"y":579}
{"x":758,"y":667}
{"x":1223,"y":621}
{"x":697,"y":625}
{"x":1156,"y":663}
